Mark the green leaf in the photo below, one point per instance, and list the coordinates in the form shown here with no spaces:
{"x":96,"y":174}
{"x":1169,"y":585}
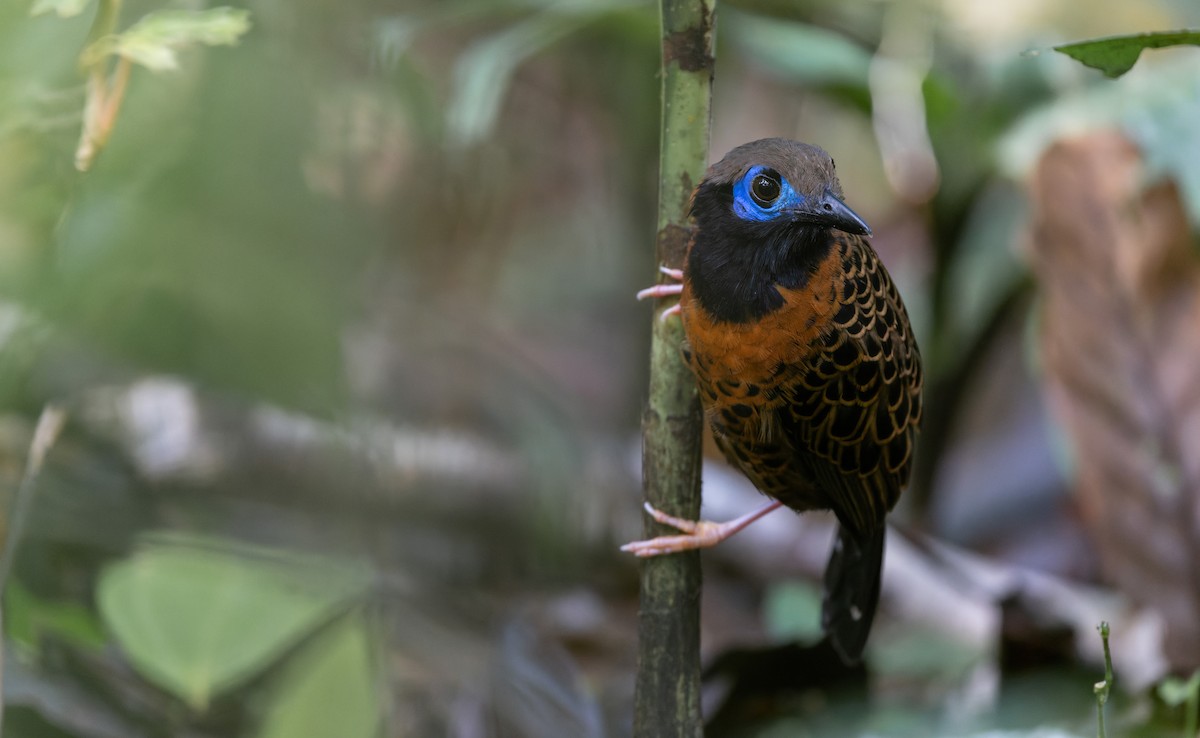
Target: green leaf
{"x":798,"y":52}
{"x":483,"y":73}
{"x":793,"y":612}
{"x":199,"y":618}
{"x":153,"y":40}
{"x":1175,"y":691}
{"x":1157,"y":111}
{"x":1116,"y":55}
{"x":28,"y":618}
{"x":329,"y":691}
{"x":62,"y":8}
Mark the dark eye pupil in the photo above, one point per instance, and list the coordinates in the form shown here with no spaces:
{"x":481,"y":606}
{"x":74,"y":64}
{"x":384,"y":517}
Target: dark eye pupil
{"x":764,"y":189}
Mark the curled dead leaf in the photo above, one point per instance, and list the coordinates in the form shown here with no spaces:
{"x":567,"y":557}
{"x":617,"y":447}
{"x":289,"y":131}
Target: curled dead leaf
{"x":1120,"y":340}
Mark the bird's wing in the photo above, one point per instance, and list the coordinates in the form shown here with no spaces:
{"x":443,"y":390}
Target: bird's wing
{"x":855,"y":402}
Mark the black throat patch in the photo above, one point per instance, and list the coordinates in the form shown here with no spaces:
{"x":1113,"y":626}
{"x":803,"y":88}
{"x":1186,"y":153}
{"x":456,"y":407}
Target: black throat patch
{"x":735,"y":265}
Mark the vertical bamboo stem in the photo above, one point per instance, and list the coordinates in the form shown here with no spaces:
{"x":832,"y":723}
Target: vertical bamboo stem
{"x":667,"y":699}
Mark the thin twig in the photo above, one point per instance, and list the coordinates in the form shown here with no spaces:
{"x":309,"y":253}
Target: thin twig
{"x":49,"y":425}
{"x":45,"y":434}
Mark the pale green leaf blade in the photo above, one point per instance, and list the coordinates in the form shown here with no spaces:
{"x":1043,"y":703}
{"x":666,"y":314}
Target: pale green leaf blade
{"x":154,"y":39}
{"x":199,"y":620}
{"x":483,"y":73}
{"x":153,"y":56}
{"x":799,"y":52}
{"x":61,"y":8}
{"x":213,"y":27}
{"x":330,"y":690}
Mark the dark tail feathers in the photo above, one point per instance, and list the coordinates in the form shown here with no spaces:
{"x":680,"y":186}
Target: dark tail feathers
{"x":852,"y":591}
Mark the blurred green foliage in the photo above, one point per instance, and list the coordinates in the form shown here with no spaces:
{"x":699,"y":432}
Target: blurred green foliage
{"x":198,"y":618}
{"x":329,"y":691}
{"x":30,"y":620}
{"x":1175,"y":692}
{"x":155,"y":39}
{"x":427,"y":221}
{"x":793,"y":612}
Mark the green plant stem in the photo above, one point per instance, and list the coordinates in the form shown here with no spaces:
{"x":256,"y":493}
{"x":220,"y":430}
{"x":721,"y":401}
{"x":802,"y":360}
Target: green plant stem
{"x":103,"y":104}
{"x":667,"y":696}
{"x":1103,"y":688}
{"x":105,"y":21}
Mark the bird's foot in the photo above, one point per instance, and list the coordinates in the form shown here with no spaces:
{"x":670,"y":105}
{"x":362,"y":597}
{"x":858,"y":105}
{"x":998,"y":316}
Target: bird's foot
{"x":665,"y":290}
{"x":697,"y":533}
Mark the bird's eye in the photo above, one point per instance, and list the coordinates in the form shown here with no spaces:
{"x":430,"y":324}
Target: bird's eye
{"x":762,"y":194}
{"x":765,"y":187}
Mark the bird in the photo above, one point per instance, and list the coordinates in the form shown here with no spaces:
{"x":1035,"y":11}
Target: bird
{"x":805,"y":361}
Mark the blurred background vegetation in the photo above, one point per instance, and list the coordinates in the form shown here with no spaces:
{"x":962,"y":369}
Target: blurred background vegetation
{"x":341,"y":320}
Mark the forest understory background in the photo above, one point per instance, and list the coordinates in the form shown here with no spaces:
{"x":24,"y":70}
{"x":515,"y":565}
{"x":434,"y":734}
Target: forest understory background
{"x":334,"y":303}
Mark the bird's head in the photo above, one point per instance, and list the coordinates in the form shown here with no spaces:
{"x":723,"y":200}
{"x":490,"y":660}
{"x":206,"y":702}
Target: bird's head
{"x":778,"y":182}
{"x":764,"y":216}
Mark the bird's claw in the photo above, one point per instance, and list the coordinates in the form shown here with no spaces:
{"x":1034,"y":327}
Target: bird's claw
{"x":697,"y":534}
{"x":665,"y":290}
{"x":683,"y":524}
{"x":660,"y":290}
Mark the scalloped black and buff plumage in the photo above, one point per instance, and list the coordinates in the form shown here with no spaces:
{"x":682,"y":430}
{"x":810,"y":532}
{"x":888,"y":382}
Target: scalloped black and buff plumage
{"x":806,"y":363}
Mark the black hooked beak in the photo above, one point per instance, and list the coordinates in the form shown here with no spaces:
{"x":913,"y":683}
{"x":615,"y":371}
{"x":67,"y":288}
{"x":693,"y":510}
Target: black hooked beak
{"x":829,"y":210}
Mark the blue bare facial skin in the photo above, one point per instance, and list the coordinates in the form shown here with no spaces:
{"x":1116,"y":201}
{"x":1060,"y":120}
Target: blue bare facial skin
{"x":762,"y":194}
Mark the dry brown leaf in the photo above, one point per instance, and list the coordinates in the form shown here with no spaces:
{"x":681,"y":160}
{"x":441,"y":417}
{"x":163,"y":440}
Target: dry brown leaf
{"x":1120,"y":345}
